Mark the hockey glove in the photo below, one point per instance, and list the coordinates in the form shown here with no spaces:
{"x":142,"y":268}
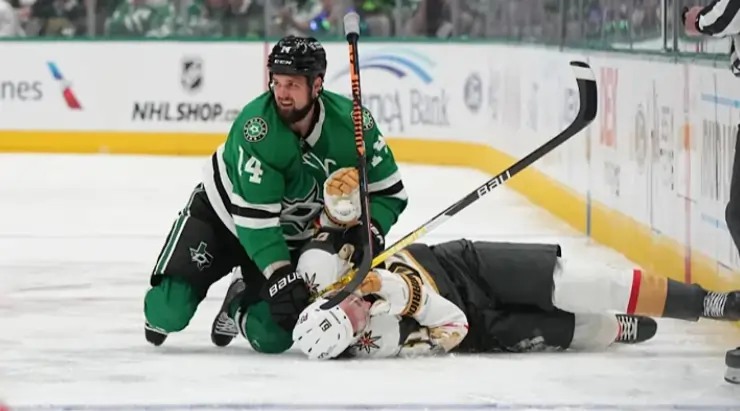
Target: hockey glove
{"x":355,"y":236}
{"x":400,"y":294}
{"x":356,"y":233}
{"x":287,"y":295}
{"x":378,"y":238}
{"x":342,"y":198}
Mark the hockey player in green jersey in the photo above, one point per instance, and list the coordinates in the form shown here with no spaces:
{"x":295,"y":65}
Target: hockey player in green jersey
{"x":287,"y":166}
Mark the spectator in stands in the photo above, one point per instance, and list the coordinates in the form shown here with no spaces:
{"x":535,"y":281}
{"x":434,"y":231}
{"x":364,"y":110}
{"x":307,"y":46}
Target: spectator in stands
{"x":432,"y":18}
{"x":222,"y":18}
{"x":59,"y":17}
{"x":376,"y":16}
{"x":142,"y":18}
{"x":245,"y":18}
{"x":9,"y":23}
{"x":312,"y":18}
{"x":203,"y":18}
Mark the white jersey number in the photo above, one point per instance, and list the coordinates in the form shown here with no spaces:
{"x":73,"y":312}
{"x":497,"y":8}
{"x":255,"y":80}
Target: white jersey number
{"x":253,"y":167}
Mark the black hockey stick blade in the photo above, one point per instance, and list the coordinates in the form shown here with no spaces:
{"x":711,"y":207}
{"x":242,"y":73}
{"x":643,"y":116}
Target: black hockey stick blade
{"x":588,"y":99}
{"x":352,"y":30}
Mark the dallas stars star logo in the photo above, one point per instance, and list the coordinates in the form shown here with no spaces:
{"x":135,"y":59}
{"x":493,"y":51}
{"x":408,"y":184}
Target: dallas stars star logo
{"x":200,"y":256}
{"x":367,"y":120}
{"x":299,"y":213}
{"x":255,"y":129}
{"x":366,"y":342}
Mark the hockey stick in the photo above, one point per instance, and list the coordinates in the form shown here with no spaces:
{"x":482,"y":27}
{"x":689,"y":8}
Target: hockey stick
{"x":352,"y":31}
{"x":586,"y":113}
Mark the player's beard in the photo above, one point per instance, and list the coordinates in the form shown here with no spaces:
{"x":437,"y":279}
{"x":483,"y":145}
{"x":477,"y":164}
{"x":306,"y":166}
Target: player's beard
{"x":294,"y":115}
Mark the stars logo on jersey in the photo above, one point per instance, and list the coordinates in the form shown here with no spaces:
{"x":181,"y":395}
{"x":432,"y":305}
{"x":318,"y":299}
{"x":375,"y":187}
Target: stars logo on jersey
{"x":298,"y":214}
{"x":366,"y":342}
{"x":255,"y":129}
{"x":367,"y":120}
{"x":200,"y":256}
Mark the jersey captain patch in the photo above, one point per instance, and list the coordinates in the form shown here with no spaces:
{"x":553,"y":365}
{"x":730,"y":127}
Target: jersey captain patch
{"x":255,"y":129}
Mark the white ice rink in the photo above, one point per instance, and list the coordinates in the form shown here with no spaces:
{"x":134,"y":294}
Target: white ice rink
{"x":79,"y":236}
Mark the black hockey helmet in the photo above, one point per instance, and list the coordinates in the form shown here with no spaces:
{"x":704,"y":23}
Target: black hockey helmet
{"x":298,"y":55}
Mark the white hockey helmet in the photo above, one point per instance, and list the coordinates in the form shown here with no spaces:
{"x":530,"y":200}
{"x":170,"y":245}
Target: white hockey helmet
{"x":323,"y":334}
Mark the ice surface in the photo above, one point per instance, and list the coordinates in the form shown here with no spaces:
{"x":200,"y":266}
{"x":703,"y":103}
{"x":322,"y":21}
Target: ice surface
{"x":79,"y":236}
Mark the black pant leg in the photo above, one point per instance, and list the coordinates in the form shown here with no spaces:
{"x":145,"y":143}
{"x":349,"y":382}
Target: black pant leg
{"x":732,"y":210}
{"x":199,"y":248}
{"x":525,"y":329}
{"x":517,"y":273}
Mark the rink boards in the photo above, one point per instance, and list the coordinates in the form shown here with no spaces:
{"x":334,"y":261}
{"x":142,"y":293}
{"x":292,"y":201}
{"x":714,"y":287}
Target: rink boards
{"x":650,"y":177}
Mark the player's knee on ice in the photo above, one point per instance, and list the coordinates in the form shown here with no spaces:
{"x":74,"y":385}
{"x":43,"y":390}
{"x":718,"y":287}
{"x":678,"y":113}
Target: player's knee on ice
{"x":262,"y":332}
{"x":171,"y":304}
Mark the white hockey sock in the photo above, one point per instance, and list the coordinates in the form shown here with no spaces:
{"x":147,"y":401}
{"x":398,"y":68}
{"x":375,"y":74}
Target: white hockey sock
{"x":589,"y":289}
{"x":594,"y":331}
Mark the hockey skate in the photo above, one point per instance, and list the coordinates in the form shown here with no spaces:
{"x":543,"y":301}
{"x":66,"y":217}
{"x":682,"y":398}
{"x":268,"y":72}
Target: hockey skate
{"x":634,"y":329}
{"x":722,"y":306}
{"x":223,"y":329}
{"x":154,"y":335}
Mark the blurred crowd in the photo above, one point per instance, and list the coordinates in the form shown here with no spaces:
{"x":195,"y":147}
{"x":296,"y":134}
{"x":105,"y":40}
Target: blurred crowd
{"x":522,"y":20}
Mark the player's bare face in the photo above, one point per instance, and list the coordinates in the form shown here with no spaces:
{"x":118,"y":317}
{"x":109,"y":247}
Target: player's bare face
{"x":293,"y":95}
{"x":357,"y":310}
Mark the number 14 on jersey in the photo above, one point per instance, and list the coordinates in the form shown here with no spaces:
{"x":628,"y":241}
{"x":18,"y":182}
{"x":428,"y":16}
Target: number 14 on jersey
{"x":253,"y":167}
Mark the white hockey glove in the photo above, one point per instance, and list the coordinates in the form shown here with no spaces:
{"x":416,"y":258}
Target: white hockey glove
{"x":400,"y":294}
{"x":342,"y":198}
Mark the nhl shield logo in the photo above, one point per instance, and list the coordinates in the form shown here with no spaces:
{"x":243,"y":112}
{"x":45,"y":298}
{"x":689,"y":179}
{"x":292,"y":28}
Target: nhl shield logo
{"x":191,"y":74}
{"x":473,"y":92}
{"x":640,"y":139}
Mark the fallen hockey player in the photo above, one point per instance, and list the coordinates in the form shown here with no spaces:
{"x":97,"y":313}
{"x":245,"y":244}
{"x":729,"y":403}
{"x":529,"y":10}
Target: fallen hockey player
{"x":466,"y":296}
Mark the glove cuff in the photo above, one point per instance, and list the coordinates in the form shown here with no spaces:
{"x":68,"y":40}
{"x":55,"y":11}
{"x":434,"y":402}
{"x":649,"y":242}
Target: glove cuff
{"x":280,"y":279}
{"x":378,"y":238}
{"x":326,"y":220}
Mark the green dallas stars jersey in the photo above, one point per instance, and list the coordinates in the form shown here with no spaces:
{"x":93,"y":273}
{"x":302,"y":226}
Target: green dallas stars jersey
{"x":266,"y":184}
{"x":153,"y":18}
